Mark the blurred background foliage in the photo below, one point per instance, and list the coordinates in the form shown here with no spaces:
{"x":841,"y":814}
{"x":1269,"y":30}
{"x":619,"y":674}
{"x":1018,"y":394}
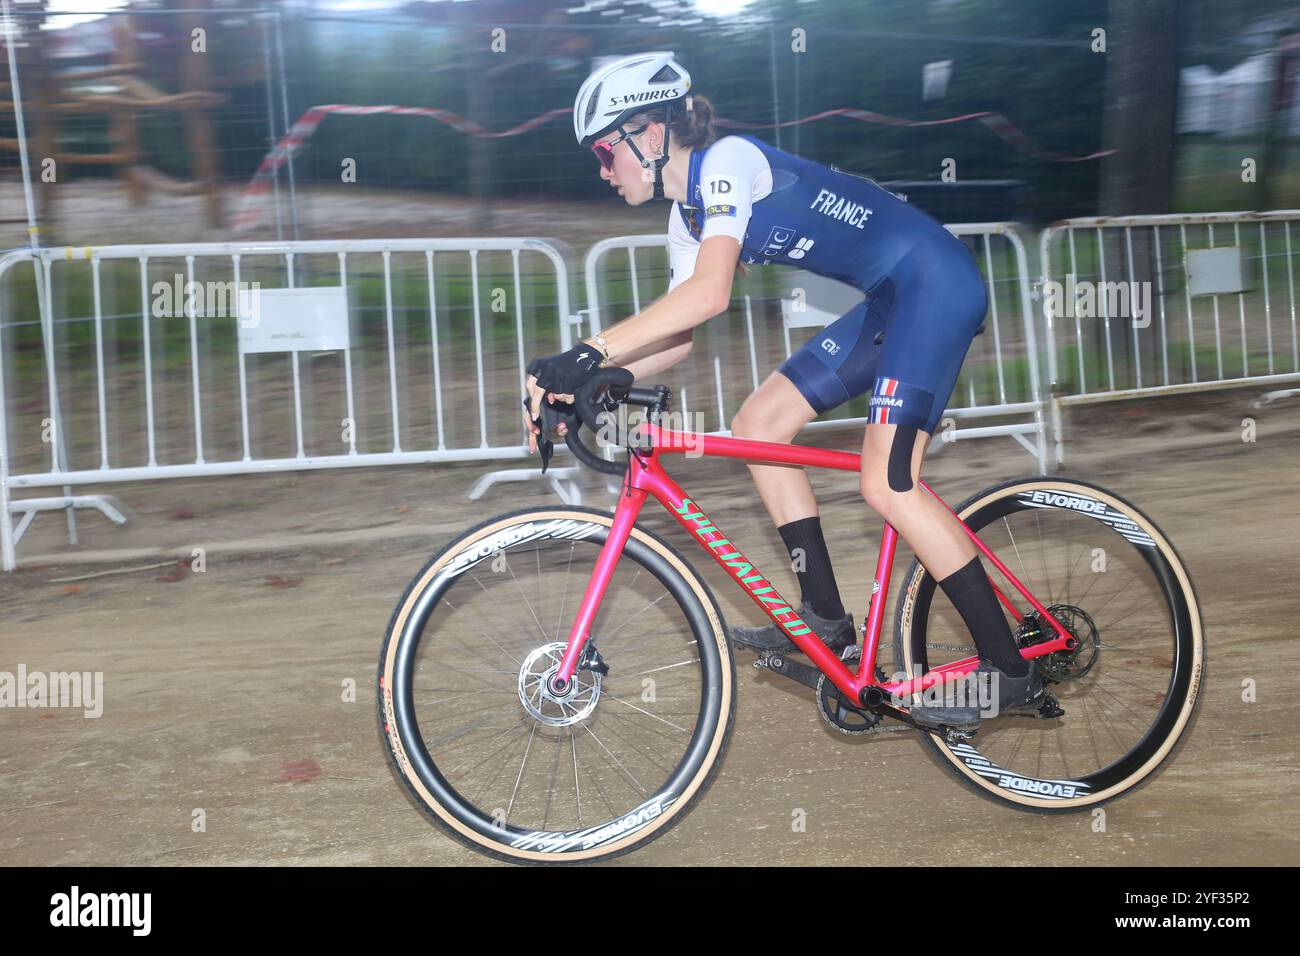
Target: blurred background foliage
{"x":503,"y":62}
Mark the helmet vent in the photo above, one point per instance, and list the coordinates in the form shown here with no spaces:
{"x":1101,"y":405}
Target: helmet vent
{"x":592,"y":102}
{"x":666,"y":75}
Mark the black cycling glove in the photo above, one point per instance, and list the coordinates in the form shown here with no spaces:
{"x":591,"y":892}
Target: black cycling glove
{"x":565,"y":373}
{"x":551,"y":415}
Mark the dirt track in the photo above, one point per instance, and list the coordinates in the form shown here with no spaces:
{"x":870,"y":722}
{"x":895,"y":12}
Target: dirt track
{"x":223,"y":690}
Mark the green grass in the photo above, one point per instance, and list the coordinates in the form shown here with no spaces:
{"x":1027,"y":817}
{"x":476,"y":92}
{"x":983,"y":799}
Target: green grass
{"x":1208,"y":170}
{"x":73,"y":312}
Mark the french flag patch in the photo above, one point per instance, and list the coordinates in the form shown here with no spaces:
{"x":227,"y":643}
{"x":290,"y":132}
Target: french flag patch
{"x":885,"y":399}
{"x":893,"y":401}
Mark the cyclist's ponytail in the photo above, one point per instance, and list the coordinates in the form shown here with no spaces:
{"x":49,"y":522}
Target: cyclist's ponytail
{"x":696,"y":126}
{"x":691,"y":127}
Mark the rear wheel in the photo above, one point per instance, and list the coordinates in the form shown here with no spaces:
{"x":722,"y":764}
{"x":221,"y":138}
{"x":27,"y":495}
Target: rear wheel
{"x":1129,"y":688}
{"x":501,"y":758}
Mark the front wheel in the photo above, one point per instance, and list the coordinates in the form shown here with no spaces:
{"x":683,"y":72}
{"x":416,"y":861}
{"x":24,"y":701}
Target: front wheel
{"x":1129,"y":688}
{"x":476,"y":731}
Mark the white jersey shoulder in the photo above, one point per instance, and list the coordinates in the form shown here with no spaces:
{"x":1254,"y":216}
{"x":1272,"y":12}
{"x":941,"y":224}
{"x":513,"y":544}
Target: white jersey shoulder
{"x":682,"y":249}
{"x":734,"y":175}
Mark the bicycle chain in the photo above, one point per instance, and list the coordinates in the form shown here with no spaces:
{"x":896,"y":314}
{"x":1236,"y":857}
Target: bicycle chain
{"x":882,"y":727}
{"x":894,"y":727}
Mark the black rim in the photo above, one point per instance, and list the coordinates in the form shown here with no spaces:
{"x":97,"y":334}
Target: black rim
{"x":667,"y":795}
{"x":1180,"y":618}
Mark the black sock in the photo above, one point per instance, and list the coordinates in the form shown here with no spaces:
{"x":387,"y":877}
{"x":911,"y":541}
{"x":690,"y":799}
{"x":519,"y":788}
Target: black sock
{"x":803,"y":538}
{"x":972,"y":595}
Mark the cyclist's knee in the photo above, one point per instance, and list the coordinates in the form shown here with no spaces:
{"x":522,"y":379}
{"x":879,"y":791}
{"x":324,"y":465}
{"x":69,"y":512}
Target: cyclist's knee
{"x":748,"y":424}
{"x":874,"y":486}
{"x":760,"y":423}
{"x":888,"y":475}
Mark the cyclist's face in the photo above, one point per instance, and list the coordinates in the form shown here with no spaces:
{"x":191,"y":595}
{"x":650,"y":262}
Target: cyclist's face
{"x":634,"y":183}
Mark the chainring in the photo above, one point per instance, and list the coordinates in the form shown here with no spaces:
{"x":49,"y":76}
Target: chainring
{"x":837,"y":712}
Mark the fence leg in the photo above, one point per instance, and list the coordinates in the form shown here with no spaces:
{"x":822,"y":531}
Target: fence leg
{"x":563,"y":481}
{"x":7,"y":562}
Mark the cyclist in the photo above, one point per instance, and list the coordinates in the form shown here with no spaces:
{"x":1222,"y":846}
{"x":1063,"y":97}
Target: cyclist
{"x":739,"y":199}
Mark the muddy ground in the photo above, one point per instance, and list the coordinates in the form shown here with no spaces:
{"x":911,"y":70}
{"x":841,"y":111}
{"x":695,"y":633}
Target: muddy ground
{"x":224,"y":690}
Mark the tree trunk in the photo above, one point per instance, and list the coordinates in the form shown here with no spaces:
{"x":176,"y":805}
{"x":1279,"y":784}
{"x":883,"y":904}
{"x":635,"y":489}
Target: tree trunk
{"x":1141,"y":103}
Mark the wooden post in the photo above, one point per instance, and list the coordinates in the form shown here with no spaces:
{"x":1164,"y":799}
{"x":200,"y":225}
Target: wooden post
{"x":198,"y":120}
{"x":44,"y":141}
{"x":122,"y":125}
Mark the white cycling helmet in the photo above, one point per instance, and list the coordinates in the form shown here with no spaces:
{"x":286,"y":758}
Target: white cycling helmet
{"x":623,"y":88}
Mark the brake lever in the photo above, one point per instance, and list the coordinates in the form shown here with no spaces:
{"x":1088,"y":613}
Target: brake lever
{"x":550,"y":417}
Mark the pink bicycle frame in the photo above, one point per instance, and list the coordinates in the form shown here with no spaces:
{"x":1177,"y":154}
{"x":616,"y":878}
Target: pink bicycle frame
{"x":646,"y":476}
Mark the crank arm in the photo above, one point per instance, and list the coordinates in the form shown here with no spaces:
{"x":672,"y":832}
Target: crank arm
{"x":795,"y":670}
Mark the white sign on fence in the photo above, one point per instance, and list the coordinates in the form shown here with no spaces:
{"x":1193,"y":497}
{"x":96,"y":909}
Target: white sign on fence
{"x":293,"y":320}
{"x":1214,"y":271}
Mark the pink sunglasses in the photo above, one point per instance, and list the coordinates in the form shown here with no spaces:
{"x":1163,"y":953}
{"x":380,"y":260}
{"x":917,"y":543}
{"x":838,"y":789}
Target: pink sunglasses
{"x":605,"y":151}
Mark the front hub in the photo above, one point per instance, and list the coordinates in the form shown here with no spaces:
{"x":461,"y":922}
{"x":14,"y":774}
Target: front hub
{"x":548,"y":701}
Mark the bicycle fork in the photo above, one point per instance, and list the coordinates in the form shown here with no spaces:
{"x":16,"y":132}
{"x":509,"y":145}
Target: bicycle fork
{"x":629,"y":507}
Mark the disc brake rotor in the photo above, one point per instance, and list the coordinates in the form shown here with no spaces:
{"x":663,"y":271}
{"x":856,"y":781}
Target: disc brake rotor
{"x":556,"y":707}
{"x":1063,"y":666}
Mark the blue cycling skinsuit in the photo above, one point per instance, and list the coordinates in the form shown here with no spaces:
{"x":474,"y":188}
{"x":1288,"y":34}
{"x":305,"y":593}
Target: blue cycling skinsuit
{"x":925,"y":297}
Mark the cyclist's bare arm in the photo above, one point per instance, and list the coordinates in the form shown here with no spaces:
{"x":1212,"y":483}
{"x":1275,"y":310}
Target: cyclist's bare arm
{"x":696,"y":300}
{"x":658,"y":356}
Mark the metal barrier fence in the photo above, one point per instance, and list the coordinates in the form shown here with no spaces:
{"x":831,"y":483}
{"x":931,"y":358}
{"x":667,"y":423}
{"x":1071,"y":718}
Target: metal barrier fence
{"x":1000,"y":378}
{"x":1155,"y":305}
{"x":114,"y":367}
{"x":127,"y":363}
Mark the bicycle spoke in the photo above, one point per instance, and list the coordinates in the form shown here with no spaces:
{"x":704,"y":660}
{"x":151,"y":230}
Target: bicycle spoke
{"x":558,"y":760}
{"x":631,"y":618}
{"x":665,"y":667}
{"x":541,"y":630}
{"x":648,"y":714}
{"x":1046,"y":574}
{"x":1024,"y":575}
{"x":1087,"y":717}
{"x":577,"y":789}
{"x":618,"y":763}
{"x":550,"y":791}
{"x":1123,"y":613}
{"x":663,"y":767}
{"x":528,"y":748}
{"x":488,"y":637}
{"x":564,"y":590}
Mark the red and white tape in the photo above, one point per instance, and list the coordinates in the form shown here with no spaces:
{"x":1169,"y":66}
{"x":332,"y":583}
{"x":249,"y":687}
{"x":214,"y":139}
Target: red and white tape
{"x":253,"y":201}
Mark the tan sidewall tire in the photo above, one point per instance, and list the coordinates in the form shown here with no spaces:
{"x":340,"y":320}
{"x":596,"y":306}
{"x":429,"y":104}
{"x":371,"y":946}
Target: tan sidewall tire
{"x":683,"y":801}
{"x":1198,"y":657}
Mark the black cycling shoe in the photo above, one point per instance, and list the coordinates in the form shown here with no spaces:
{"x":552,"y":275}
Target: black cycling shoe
{"x":1015,"y":695}
{"x":836,"y":634}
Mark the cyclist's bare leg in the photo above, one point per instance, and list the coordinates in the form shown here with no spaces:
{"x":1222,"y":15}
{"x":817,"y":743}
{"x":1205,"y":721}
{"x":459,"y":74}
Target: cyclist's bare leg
{"x":775,"y":412}
{"x":932,"y":531}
